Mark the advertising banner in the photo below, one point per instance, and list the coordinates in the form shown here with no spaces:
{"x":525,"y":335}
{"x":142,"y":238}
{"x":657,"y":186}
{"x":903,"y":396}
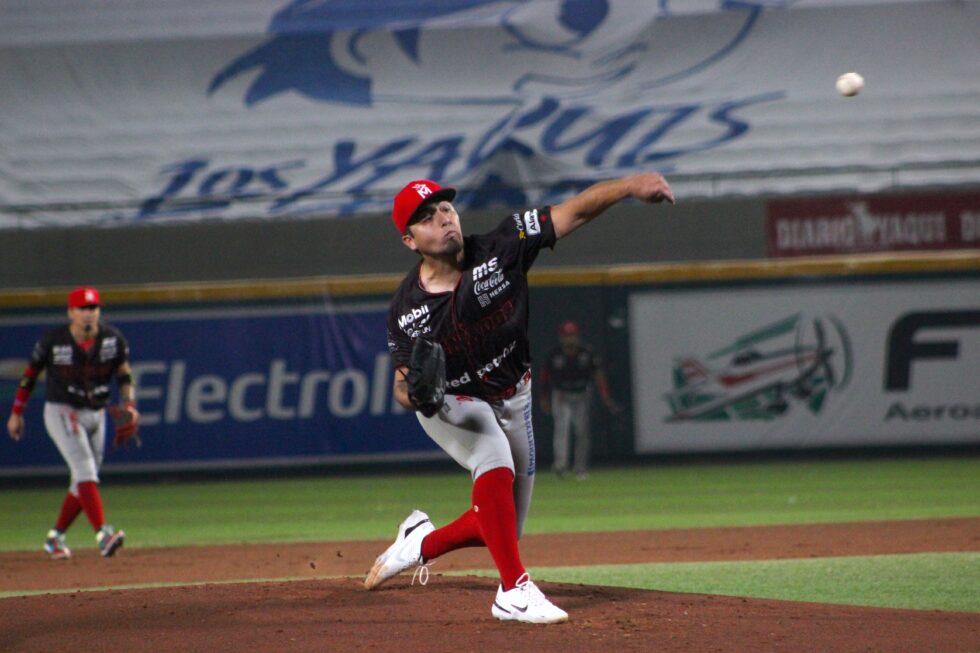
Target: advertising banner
{"x":122,"y":113}
{"x":803,"y":366}
{"x":846,"y":225}
{"x":240,"y":386}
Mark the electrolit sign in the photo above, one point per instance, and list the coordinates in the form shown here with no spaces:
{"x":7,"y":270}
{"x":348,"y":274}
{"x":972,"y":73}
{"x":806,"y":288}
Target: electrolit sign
{"x":247,"y":385}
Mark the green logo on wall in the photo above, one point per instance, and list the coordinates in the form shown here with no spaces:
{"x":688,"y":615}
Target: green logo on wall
{"x":761,"y":374}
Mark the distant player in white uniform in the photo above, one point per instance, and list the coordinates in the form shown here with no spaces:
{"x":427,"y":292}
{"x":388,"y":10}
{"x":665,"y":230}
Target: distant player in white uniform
{"x":470,"y":295}
{"x":81,"y":358}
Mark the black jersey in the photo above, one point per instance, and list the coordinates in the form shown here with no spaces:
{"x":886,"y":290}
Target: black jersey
{"x":571,"y":373}
{"x":482,"y":323}
{"x":75,"y":376}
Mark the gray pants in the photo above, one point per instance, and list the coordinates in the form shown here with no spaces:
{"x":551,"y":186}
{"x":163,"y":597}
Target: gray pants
{"x":571,"y":410}
{"x":79,"y":434}
{"x":482,"y":436}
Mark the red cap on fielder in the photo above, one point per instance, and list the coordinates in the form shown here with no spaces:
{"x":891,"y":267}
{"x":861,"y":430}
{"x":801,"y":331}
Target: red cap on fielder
{"x":568,"y":328}
{"x":84,"y":296}
{"x":413,"y":196}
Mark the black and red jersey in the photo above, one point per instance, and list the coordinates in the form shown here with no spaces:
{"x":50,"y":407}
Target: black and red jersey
{"x":570,"y":372}
{"x":77,"y":376}
{"x":482,"y":324}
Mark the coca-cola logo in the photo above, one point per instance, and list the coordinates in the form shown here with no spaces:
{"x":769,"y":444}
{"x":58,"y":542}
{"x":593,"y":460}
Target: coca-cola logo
{"x":489,"y":283}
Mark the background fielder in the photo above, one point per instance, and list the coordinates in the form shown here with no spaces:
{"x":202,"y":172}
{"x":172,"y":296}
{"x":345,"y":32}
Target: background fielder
{"x":81,"y":359}
{"x":570,"y":374}
{"x":470,"y":296}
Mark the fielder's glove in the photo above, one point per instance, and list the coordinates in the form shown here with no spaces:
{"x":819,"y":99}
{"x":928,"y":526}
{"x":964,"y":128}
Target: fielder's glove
{"x":426,"y":377}
{"x":127,"y":422}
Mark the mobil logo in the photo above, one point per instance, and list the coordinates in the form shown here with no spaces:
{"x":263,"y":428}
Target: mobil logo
{"x":415,"y":314}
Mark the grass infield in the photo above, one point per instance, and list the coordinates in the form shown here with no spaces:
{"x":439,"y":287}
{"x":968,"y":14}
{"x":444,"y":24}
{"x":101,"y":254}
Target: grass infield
{"x":682,"y":495}
{"x":922,"y":581}
{"x":356,"y":507}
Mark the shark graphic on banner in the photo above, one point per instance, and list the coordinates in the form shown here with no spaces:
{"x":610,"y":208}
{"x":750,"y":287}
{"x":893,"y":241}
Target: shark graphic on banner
{"x":301,"y":57}
{"x":545,"y":99}
{"x":283,"y":108}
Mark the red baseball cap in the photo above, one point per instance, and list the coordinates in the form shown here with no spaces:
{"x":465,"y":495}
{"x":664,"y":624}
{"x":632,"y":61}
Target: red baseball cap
{"x":84,"y":296}
{"x":568,"y":328}
{"x":413,"y":196}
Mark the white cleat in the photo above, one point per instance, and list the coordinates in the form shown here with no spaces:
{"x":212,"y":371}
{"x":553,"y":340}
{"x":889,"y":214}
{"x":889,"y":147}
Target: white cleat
{"x":109,"y":540}
{"x":55,"y":545}
{"x":525,"y":602}
{"x":404,"y":553}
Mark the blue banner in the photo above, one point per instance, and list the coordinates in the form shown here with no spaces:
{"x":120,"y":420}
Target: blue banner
{"x":268,"y":385}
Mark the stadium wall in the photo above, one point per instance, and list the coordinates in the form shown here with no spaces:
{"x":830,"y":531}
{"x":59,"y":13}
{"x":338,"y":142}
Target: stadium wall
{"x":294,"y":372}
{"x":262,"y":249}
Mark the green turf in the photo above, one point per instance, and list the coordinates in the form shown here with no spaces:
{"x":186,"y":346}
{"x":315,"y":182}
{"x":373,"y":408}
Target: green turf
{"x":927,"y":581}
{"x":363,"y":506}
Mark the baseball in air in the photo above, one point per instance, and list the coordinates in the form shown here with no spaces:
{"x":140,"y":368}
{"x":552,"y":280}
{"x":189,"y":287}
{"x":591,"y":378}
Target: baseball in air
{"x":850,"y":84}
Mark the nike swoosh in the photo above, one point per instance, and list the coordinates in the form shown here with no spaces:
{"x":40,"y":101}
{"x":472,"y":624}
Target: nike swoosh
{"x":412,"y":528}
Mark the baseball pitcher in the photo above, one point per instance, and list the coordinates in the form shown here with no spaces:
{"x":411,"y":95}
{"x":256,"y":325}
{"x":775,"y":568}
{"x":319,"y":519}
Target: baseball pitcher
{"x":457,"y":332}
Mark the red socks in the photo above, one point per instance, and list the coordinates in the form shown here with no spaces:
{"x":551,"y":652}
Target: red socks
{"x":493,"y":503}
{"x":70,"y":508}
{"x":492,"y":521}
{"x":91,"y":501}
{"x":460,"y":534}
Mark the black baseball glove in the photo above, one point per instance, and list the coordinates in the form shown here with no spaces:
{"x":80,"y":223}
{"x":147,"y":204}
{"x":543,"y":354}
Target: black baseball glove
{"x":426,"y":376}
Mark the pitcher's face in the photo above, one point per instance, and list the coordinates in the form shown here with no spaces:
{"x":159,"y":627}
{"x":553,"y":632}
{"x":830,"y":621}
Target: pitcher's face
{"x":436,"y":232}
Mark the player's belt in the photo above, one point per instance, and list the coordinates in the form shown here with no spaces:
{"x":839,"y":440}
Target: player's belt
{"x":504,"y":395}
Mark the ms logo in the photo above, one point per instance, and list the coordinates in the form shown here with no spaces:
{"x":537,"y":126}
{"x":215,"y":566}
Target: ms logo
{"x":759,"y":374}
